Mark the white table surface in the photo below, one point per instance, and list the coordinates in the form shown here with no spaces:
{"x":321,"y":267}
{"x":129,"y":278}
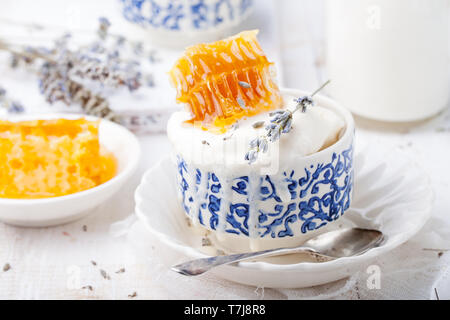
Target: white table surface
{"x":55,"y":263}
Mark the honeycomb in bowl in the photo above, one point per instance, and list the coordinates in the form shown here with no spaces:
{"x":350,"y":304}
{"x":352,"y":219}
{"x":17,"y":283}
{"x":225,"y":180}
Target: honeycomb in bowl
{"x":225,"y":81}
{"x":50,"y":158}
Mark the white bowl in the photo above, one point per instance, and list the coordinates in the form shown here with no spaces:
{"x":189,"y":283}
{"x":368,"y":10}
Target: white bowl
{"x":58,"y":210}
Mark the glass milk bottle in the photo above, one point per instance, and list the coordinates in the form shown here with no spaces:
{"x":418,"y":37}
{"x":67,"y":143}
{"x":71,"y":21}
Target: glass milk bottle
{"x":388,"y":59}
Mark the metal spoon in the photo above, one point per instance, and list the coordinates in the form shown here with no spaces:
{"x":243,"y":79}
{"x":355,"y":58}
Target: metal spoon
{"x":325,"y":247}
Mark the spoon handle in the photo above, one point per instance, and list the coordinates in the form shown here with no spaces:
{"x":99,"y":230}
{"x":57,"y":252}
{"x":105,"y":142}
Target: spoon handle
{"x":200,"y":266}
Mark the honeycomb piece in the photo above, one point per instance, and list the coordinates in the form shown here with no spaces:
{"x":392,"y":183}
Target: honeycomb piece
{"x":50,"y":158}
{"x":225,"y":81}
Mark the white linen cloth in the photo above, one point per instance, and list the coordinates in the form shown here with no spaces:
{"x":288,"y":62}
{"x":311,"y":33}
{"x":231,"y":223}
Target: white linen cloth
{"x":413,"y":271}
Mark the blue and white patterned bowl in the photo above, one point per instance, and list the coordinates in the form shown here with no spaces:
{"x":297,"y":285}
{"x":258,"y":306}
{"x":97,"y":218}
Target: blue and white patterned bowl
{"x":319,"y":192}
{"x":177,"y":23}
{"x":392,"y":194}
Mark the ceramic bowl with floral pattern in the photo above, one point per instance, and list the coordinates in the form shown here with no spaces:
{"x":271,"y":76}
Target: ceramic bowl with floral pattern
{"x":280,"y":200}
{"x":178,"y":23}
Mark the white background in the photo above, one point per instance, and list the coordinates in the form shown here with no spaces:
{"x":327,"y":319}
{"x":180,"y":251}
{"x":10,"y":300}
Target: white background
{"x":53,"y":263}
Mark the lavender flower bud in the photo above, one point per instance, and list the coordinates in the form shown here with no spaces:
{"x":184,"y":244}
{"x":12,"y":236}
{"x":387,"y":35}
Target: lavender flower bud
{"x":275,"y":135}
{"x":304,"y":102}
{"x":277,"y":118}
{"x":263,"y":145}
{"x":251,"y":156}
{"x":244,"y":84}
{"x":16,"y":107}
{"x":241,"y":103}
{"x":287,"y":126}
{"x":254,"y":143}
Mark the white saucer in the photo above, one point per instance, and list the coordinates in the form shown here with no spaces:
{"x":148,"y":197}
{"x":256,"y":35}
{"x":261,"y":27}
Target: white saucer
{"x":54,"y":211}
{"x":392,"y":195}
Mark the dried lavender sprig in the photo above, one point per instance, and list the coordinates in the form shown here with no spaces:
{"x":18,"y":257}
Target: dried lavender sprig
{"x":104,"y":34}
{"x":241,"y":103}
{"x":62,"y":68}
{"x":95,"y":62}
{"x":79,"y":64}
{"x":100,"y":63}
{"x":56,"y":86}
{"x":304,"y":102}
{"x":280,"y":123}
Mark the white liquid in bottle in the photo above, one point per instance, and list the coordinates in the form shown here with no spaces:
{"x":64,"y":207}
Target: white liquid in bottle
{"x":388,"y":59}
